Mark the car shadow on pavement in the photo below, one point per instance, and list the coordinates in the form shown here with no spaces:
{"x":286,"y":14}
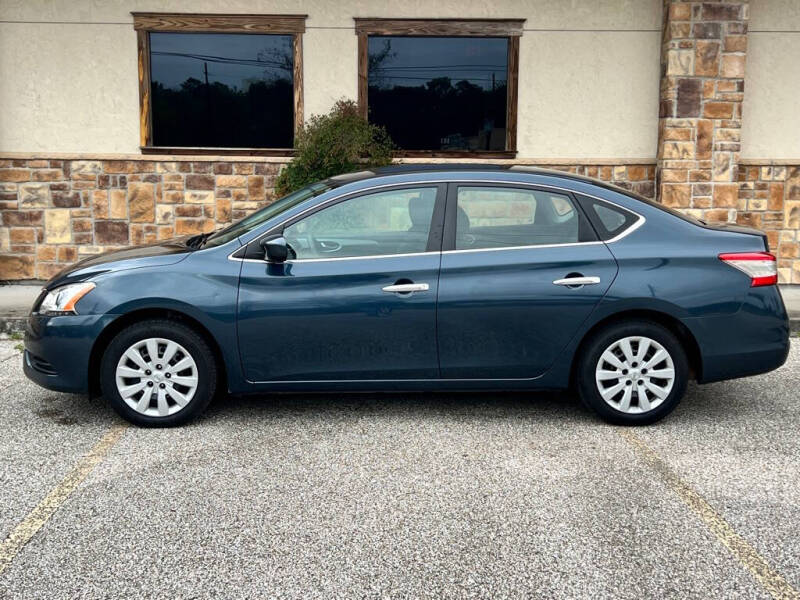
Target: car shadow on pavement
{"x":720,"y":402}
{"x":71,"y":409}
{"x":717,"y":402}
{"x":541,"y":405}
{"x":737,"y":401}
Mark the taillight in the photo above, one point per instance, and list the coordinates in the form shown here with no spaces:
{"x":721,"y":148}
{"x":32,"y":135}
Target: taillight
{"x":759,"y":266}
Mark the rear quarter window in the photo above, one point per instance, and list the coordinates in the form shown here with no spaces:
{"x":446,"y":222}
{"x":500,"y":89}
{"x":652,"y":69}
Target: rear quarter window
{"x":608,"y":220}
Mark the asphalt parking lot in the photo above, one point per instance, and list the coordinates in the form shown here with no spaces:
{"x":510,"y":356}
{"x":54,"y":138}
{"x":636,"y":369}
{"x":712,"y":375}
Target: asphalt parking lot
{"x":448,"y":495}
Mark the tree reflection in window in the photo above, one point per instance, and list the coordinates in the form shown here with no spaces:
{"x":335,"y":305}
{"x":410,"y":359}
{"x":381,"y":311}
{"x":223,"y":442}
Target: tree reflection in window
{"x":439,"y":93}
{"x":222,"y":90}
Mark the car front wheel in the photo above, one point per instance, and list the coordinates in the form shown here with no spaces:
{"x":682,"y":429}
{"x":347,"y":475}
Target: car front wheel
{"x":633,"y":373}
{"x":158,"y":373}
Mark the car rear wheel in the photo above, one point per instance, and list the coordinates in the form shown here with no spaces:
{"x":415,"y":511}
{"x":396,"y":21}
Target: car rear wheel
{"x":633,"y":373}
{"x":158,"y":373}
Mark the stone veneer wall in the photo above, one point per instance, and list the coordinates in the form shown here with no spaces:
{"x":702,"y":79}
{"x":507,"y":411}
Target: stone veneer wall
{"x":53,"y":212}
{"x":703,"y":54}
{"x":699,"y":169}
{"x":638,"y":178}
{"x":769,"y":199}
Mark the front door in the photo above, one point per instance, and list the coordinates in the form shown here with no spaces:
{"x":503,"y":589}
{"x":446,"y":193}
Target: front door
{"x":521,"y":270}
{"x":358,"y":299}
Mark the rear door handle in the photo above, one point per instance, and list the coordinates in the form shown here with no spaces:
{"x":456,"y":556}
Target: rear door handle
{"x":570,"y":281}
{"x":405,"y":288}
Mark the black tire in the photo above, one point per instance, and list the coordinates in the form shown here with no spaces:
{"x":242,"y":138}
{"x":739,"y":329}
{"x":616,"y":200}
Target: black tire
{"x":186,"y":337}
{"x":594,"y":348}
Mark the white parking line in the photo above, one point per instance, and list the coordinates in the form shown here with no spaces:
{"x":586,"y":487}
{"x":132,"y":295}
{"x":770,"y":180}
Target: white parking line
{"x":748,"y":556}
{"x":23,"y":532}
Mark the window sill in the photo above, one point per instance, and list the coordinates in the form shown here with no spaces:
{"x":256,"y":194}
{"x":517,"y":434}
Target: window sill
{"x":167,"y":150}
{"x":455,"y":154}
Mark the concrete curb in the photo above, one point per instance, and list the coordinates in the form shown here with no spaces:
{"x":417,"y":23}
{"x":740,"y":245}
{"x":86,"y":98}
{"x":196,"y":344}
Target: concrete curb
{"x":10,"y":325}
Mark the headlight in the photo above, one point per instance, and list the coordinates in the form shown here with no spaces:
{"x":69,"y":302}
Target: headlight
{"x":62,"y":300}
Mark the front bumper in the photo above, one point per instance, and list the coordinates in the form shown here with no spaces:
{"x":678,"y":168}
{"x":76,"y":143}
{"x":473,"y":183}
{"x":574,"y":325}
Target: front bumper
{"x":58,"y":348}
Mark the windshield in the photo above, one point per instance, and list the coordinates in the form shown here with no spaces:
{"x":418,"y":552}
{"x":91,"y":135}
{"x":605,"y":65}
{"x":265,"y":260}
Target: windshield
{"x":223,"y":236}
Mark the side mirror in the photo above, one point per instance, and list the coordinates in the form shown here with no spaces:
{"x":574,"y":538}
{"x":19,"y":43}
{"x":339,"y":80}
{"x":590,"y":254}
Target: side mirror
{"x":275,"y":250}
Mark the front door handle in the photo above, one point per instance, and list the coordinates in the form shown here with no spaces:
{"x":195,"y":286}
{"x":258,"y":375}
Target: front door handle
{"x":328,"y":246}
{"x":405,"y":288}
{"x":570,"y":281}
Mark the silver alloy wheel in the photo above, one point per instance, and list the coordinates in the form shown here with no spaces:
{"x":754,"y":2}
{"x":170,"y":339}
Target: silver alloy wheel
{"x":156,"y":377}
{"x":635,"y":374}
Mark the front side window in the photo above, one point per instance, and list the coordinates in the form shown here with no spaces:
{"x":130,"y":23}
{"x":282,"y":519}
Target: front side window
{"x":441,"y":87}
{"x":499,"y":217}
{"x":219,"y":82}
{"x":382,"y":223}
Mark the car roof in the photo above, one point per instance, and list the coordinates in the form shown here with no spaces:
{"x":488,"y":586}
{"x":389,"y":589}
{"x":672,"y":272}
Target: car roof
{"x":453,"y":168}
{"x":478,"y":168}
{"x":410,"y":169}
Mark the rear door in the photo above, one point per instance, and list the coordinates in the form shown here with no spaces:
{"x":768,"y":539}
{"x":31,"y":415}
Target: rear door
{"x":521,"y":270}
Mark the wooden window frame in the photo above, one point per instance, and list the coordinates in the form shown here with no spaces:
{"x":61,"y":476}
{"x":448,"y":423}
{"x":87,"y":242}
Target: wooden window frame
{"x":145,"y":23}
{"x":510,"y":28}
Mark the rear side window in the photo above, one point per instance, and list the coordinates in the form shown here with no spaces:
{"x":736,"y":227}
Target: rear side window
{"x":608,"y":220}
{"x":504,"y":217}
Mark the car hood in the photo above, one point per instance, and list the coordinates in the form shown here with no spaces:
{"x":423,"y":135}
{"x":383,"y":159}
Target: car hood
{"x":167,"y":252}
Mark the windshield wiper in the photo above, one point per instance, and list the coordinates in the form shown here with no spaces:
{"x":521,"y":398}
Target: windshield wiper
{"x":197,"y":241}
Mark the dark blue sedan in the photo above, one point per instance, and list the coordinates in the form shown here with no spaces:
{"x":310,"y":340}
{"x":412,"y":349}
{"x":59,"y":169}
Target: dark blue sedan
{"x":420,"y":279}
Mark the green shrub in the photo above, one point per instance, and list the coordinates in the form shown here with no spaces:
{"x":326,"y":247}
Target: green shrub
{"x":340,"y":142}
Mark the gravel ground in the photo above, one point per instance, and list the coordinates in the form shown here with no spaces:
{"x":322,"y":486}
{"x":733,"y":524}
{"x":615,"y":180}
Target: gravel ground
{"x":402,"y":495}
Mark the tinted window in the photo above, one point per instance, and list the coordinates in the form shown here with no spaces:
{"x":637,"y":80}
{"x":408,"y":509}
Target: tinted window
{"x":495,"y":217}
{"x":391,"y":222}
{"x":222,"y":90}
{"x":612,"y":219}
{"x":608,"y":220}
{"x":439,"y":93}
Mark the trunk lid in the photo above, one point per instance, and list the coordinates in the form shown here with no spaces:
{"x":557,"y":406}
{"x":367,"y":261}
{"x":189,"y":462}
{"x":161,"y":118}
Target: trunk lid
{"x":733,"y":228}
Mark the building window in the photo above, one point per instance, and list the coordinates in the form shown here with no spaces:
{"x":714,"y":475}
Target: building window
{"x":441,"y":87}
{"x":219,"y":83}
{"x":221,"y":90}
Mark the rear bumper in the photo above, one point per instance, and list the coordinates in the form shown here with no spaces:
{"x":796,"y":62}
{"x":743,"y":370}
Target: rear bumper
{"x":753,"y":340}
{"x":57,"y":350}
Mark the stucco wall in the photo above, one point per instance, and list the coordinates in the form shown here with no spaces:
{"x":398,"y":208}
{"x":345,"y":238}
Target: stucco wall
{"x":68,"y":87}
{"x":771,"y":123}
{"x":588,"y":69}
{"x":588,"y":94}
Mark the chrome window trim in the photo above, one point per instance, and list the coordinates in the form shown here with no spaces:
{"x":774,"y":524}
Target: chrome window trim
{"x":370,"y":256}
{"x":530,"y":247}
{"x":630,"y":229}
{"x":641,"y":220}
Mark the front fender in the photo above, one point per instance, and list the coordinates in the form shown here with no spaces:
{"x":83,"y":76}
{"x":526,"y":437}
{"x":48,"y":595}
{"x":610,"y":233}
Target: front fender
{"x":204,"y":290}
